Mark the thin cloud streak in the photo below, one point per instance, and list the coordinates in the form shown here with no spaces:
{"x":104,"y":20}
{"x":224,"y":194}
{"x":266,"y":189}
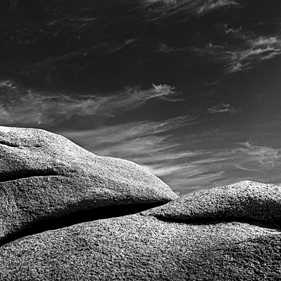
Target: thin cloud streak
{"x":137,"y":141}
{"x":259,"y":157}
{"x":218,"y":167}
{"x":246,"y":55}
{"x":26,"y":107}
{"x":199,"y":7}
{"x":210,"y":5}
{"x":223,"y":108}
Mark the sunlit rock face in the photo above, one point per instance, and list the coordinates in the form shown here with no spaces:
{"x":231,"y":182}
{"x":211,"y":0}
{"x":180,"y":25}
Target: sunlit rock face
{"x":185,"y":239}
{"x":44,"y":176}
{"x":245,"y":201}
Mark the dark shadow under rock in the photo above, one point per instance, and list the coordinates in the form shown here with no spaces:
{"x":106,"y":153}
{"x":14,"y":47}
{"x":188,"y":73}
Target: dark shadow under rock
{"x":137,"y":247}
{"x":79,"y":217}
{"x":23,"y":174}
{"x":212,"y":221}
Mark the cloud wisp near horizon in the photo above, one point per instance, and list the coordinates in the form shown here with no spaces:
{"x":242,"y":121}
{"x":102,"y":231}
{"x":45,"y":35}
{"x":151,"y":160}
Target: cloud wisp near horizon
{"x":152,"y":145}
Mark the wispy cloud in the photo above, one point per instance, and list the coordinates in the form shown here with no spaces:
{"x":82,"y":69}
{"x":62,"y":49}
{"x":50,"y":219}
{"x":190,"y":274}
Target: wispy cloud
{"x":26,"y":107}
{"x":142,"y":141}
{"x":166,"y":2}
{"x":223,"y":108}
{"x":162,"y":170}
{"x":256,"y":49}
{"x":190,"y":6}
{"x":234,"y":42}
{"x":209,"y":6}
{"x":258,"y":157}
{"x":252,"y":49}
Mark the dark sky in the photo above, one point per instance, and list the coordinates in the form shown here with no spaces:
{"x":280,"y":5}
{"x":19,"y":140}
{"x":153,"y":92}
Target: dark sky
{"x":190,"y":89}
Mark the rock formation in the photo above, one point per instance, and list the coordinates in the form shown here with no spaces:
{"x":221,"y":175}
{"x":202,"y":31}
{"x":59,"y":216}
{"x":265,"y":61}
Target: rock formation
{"x":224,"y":233}
{"x":44,"y":176}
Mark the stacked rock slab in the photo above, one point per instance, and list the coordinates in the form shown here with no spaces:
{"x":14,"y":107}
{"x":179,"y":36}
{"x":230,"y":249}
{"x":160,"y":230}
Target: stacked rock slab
{"x":44,"y":176}
{"x":225,"y":233}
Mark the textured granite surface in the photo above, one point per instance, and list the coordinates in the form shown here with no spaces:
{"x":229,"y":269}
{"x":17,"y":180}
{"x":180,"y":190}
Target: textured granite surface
{"x":45,"y":176}
{"x":224,"y":233}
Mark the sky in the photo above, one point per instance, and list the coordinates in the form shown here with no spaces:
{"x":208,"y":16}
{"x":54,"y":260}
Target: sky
{"x":189,"y":89}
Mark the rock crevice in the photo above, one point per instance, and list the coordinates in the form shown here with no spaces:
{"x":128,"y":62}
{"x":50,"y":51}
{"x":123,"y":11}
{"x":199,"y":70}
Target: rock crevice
{"x":2,"y":142}
{"x":214,"y":221}
{"x":77,"y":217}
{"x":24,"y":174}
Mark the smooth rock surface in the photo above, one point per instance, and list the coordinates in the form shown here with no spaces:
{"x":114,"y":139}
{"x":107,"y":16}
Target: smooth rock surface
{"x":45,"y":176}
{"x":145,"y":246}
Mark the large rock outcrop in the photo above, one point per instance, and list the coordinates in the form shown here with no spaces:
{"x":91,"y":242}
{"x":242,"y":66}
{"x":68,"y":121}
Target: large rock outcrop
{"x":45,"y":177}
{"x":227,"y":233}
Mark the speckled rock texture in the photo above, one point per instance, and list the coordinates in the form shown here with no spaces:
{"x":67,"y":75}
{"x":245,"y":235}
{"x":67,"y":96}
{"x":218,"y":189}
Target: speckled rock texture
{"x":227,"y":233}
{"x":45,"y":176}
{"x":244,"y":201}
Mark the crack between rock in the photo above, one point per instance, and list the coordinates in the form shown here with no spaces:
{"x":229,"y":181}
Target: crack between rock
{"x":6,"y":143}
{"x":213,"y":221}
{"x":18,"y":175}
{"x":77,"y":217}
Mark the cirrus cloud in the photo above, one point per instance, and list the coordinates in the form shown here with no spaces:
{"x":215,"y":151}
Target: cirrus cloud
{"x":27,"y":107}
